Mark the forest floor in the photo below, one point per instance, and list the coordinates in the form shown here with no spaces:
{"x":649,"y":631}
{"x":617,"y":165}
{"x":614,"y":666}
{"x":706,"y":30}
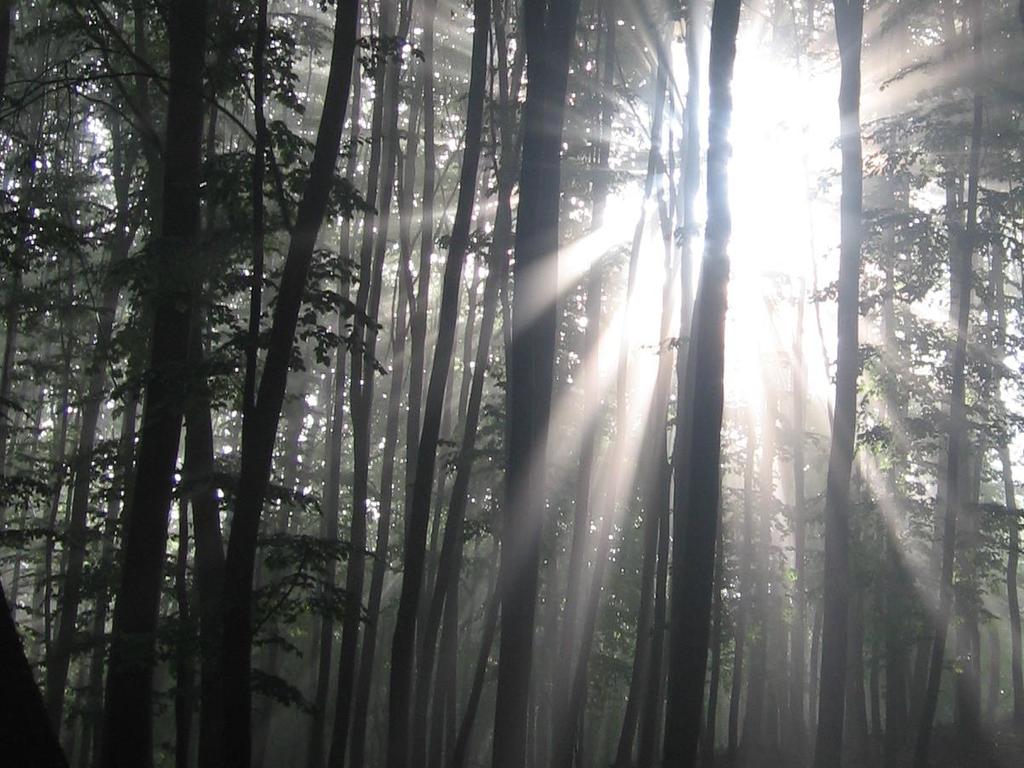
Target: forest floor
{"x":1001,"y":746}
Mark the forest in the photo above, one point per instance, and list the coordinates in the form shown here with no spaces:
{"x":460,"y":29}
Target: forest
{"x":511,"y":383}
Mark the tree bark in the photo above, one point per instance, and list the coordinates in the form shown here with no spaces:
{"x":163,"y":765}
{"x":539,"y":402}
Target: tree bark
{"x":831,"y":701}
{"x":960,"y":289}
{"x":698,"y":434}
{"x":1009,"y":492}
{"x":404,"y":639}
{"x":259,"y":430}
{"x":548,"y":33}
{"x":127,"y":729}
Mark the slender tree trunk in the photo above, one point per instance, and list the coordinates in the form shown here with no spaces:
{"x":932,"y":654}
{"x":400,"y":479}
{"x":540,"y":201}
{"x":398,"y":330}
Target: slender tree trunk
{"x":332,"y":491}
{"x":1009,"y":494}
{"x":403,"y":642}
{"x":831,"y":703}
{"x":418,"y":320}
{"x":994,"y":674}
{"x":329,"y":531}
{"x":698,"y":434}
{"x":742,"y":609}
{"x":199,"y":483}
{"x":60,"y":657}
{"x":708,"y":741}
{"x":184,"y":672}
{"x":649,"y":737}
{"x":797,"y":736}
{"x":756,"y":737}
{"x":461,"y":746}
{"x":128,"y":727}
{"x":125,"y":454}
{"x":1011,"y":583}
{"x":960,"y":287}
{"x":259,"y":431}
{"x":367,"y":660}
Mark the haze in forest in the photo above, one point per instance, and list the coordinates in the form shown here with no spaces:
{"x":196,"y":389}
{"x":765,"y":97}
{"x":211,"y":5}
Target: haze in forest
{"x":511,"y":383}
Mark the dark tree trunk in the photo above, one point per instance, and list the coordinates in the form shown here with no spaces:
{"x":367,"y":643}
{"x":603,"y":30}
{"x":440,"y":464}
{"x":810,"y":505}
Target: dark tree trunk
{"x":960,"y":289}
{"x":128,"y":727}
{"x":329,"y":531}
{"x":259,"y":430}
{"x":184,"y":671}
{"x":831,"y":702}
{"x":332,"y":491}
{"x":404,"y":640}
{"x":698,"y":434}
{"x":548,"y":36}
{"x":119,"y":486}
{"x":418,"y":318}
{"x":60,"y":655}
{"x":199,"y":485}
{"x":856,"y":725}
{"x":380,"y":189}
{"x":122,"y":237}
{"x":369,"y":650}
{"x":461,"y":747}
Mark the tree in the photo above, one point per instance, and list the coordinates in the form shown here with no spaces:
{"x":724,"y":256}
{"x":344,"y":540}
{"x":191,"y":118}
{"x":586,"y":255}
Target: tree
{"x":260,"y":428}
{"x":698,"y":440}
{"x":128,"y":728}
{"x":831,"y":702}
{"x":548,"y":36}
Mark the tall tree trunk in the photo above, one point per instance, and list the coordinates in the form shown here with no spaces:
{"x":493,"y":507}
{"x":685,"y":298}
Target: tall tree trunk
{"x":404,"y":639}
{"x":184,"y":672}
{"x":1009,"y":498}
{"x":380,"y":188}
{"x":329,"y":531}
{"x":461,"y":747}
{"x":368,"y":656}
{"x":698,"y":434}
{"x":548,"y":33}
{"x":128,"y":726}
{"x":450,"y":560}
{"x":648,"y":740}
{"x":797,"y":731}
{"x":708,"y":740}
{"x":332,"y":490}
{"x":118,"y":488}
{"x":856,"y":725}
{"x":60,"y":656}
{"x":756,"y":738}
{"x":960,"y":290}
{"x":746,"y":559}
{"x":831,"y":702}
{"x":259,"y":430}
{"x":199,"y":484}
{"x":895,"y":598}
{"x":418,"y":319}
